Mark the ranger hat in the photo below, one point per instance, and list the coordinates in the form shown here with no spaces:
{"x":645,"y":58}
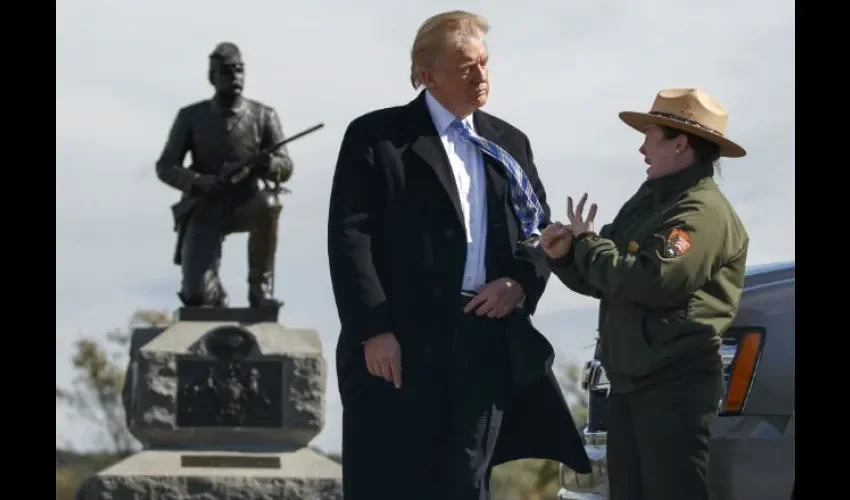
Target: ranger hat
{"x":689,"y":110}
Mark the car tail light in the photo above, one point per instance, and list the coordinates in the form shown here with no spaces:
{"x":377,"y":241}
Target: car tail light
{"x":741,"y":351}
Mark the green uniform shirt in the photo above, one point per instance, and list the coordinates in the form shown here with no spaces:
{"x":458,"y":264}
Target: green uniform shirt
{"x":669,"y":271}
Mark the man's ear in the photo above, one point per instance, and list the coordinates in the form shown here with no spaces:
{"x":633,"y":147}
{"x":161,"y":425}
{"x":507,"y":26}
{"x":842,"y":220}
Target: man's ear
{"x":427,"y":78}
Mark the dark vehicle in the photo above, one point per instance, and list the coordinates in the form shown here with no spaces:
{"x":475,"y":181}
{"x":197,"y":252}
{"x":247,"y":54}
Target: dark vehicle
{"x":752,"y":444}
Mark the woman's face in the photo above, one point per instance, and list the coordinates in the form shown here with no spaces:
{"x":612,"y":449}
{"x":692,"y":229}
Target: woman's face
{"x":660,"y":153}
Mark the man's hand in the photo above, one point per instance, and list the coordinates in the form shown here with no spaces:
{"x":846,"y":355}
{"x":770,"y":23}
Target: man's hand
{"x":264,"y":164}
{"x":579,"y":225}
{"x":496,"y":299}
{"x":275,"y":167}
{"x":556,"y":240}
{"x":383,"y":358}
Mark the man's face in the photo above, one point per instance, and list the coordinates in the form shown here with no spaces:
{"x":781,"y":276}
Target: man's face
{"x":229,"y":79}
{"x":460,"y":79}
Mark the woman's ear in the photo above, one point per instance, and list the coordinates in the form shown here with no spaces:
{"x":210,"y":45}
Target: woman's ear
{"x":681,"y":143}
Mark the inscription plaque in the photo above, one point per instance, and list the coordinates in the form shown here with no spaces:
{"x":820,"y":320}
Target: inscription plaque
{"x":230,"y":461}
{"x":229,"y":393}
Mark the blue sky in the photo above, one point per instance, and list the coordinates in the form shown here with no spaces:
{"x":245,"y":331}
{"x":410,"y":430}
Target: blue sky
{"x":560,"y":71}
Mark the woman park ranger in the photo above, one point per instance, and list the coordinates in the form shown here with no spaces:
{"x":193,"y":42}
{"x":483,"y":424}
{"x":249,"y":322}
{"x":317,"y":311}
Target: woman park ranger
{"x":669,"y":272}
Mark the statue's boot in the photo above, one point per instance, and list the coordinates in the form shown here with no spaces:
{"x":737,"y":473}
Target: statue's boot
{"x":262,"y":245}
{"x":214,"y":296}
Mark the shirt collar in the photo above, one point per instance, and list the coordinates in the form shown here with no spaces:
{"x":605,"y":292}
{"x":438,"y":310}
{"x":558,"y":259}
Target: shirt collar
{"x":442,"y":117}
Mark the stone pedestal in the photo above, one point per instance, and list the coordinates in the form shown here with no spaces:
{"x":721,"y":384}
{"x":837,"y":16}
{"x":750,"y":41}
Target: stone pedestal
{"x":225,"y":402}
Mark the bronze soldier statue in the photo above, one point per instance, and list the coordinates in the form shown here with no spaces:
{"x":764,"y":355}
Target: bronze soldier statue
{"x":222,"y":132}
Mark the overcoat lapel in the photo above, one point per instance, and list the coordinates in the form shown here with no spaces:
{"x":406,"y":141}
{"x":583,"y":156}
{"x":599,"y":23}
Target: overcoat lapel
{"x":426,"y":144}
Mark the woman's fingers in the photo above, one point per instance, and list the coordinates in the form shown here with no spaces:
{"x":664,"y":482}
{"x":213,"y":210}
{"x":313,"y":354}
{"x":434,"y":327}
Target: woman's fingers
{"x":591,"y":215}
{"x":575,"y":216}
{"x":580,"y":207}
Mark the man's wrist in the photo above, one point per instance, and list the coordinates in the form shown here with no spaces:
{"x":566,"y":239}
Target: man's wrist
{"x":521,"y":302}
{"x":512,"y":283}
{"x":370,"y":335}
{"x":374,"y":321}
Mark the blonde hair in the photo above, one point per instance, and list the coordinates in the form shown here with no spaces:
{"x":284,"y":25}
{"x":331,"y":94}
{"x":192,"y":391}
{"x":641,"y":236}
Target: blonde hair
{"x":441,"y":32}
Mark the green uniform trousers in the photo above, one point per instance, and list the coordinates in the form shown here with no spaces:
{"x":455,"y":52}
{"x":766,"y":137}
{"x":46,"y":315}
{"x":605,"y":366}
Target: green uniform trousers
{"x":658,"y":439}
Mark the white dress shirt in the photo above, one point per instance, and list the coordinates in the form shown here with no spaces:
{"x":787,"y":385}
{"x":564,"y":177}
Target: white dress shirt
{"x":468,"y":168}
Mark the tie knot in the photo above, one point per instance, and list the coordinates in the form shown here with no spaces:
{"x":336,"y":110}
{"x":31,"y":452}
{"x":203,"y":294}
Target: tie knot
{"x":462,"y":128}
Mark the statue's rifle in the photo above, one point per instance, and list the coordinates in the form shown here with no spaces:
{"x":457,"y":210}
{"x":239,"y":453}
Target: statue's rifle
{"x":235,"y":172}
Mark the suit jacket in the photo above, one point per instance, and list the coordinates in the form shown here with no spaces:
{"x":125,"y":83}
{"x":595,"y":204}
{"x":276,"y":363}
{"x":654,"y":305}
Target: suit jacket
{"x":397,"y":248}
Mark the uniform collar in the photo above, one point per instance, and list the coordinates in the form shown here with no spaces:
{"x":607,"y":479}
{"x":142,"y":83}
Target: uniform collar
{"x":240,"y":107}
{"x":664,"y":187}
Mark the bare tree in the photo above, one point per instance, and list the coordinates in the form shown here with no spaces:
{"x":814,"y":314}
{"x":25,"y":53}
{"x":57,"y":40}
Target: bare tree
{"x":95,"y":391}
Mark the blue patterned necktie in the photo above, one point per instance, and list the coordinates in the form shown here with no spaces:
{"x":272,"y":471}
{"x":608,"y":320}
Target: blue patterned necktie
{"x":525,"y":204}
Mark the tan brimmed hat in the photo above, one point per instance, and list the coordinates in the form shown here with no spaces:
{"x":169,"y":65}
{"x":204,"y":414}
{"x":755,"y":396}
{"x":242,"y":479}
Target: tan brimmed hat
{"x":689,"y":110}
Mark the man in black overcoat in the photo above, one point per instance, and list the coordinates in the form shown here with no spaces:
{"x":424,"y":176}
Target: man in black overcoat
{"x":435,"y":210}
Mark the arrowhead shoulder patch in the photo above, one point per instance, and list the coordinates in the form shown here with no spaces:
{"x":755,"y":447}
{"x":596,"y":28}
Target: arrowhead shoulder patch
{"x":678,"y":243}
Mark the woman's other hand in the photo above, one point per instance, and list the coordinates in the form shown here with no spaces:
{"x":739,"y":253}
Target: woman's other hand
{"x":578,"y":224}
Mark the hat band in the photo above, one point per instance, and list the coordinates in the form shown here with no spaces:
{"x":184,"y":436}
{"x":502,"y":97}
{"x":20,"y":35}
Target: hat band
{"x":685,"y":121}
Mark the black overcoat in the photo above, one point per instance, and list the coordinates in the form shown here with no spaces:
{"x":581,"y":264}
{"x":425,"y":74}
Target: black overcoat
{"x":397,"y":249}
